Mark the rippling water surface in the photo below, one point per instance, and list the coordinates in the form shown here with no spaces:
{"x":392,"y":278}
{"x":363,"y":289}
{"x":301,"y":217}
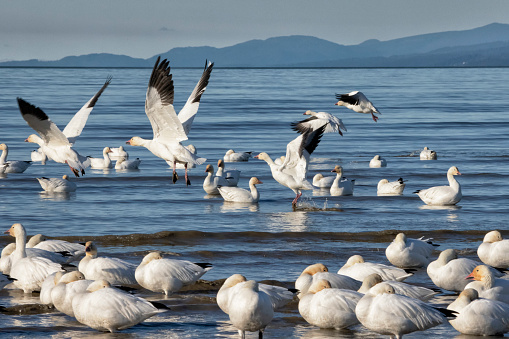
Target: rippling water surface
{"x":460,"y":113}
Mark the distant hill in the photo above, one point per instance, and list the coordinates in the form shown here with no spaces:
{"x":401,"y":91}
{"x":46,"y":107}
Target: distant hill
{"x":478,"y":47}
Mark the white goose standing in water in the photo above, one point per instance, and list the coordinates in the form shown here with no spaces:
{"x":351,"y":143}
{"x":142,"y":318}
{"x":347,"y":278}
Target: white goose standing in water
{"x":340,"y":185}
{"x":443,"y":195}
{"x":12,"y":166}
{"x":168,"y":128}
{"x":237,"y":194}
{"x":357,"y":102}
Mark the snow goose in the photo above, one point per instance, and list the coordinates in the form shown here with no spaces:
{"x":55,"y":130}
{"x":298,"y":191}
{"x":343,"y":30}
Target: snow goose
{"x":377,"y":162}
{"x":13,"y":166}
{"x":341,"y":185}
{"x":58,"y":293}
{"x":211,"y":181}
{"x":279,"y":296}
{"x":124,"y":164}
{"x":47,"y":286}
{"x":106,"y":308}
{"x":168,"y":128}
{"x":488,"y":285}
{"x":29,"y":272}
{"x":386,"y":187}
{"x":38,"y":155}
{"x":72,"y":289}
{"x":159,"y":274}
{"x":443,"y":195}
{"x":232,"y":156}
{"x":232,"y":176}
{"x":113,"y":270}
{"x":118,"y":152}
{"x":237,"y":194}
{"x":427,"y":154}
{"x":250,"y":309}
{"x":480,"y":317}
{"x":328,"y":307}
{"x":292,"y":173}
{"x":321,"y":181}
{"x":358,"y":269}
{"x":104,"y":162}
{"x":319,"y":271}
{"x":55,"y":245}
{"x":417,"y":292}
{"x":9,"y":256}
{"x":5,"y":258}
{"x":407,"y":252}
{"x":357,"y":102}
{"x":385,"y":312}
{"x":191,"y":149}
{"x":494,"y":250}
{"x":57,"y":184}
{"x":317,"y":120}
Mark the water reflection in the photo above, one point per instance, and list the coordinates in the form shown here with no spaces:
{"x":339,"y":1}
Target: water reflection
{"x":323,"y":192}
{"x":55,"y":196}
{"x":436,"y":207}
{"x":229,"y":206}
{"x":289,"y":221}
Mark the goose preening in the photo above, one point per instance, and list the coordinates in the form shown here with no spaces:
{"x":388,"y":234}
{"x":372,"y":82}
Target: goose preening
{"x":232,"y":156}
{"x":105,"y":308}
{"x":168,"y":128}
{"x":55,"y":245}
{"x":29,"y":272}
{"x":318,"y":272}
{"x":292,"y":173}
{"x":332,"y":124}
{"x":57,"y":184}
{"x":159,"y":274}
{"x":443,"y":195}
{"x":232,"y":176}
{"x":250,"y":309}
{"x":488,"y":285}
{"x":385,"y":312}
{"x":377,"y":162}
{"x":118,"y":152}
{"x":123,"y":164}
{"x":386,"y":187}
{"x":427,"y":154}
{"x":417,"y":292}
{"x":12,"y":166}
{"x":115,"y":271}
{"x":358,"y":269}
{"x":341,"y":185}
{"x":328,"y":307}
{"x":406,"y":252}
{"x":494,"y":250}
{"x":357,"y":102}
{"x":279,"y":296}
{"x":237,"y":194}
{"x":104,"y":162}
{"x":482,"y":317}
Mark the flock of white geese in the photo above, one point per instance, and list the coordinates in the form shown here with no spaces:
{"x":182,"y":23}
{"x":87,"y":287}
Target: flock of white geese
{"x":373,"y":295}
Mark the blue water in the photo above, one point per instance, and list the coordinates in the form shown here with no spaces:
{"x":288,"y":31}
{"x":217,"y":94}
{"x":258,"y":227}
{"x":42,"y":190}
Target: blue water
{"x":460,"y":113}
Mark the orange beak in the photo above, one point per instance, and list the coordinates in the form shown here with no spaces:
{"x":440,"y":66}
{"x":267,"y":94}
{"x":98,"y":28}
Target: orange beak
{"x":470,"y":276}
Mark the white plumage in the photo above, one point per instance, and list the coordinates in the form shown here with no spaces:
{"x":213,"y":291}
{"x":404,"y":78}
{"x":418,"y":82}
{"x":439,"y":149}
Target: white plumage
{"x":237,"y":194}
{"x":494,"y":250}
{"x":443,"y":195}
{"x":61,"y":295}
{"x":118,"y":152}
{"x":12,"y":166}
{"x":56,"y":245}
{"x":377,"y":162}
{"x":340,"y":185}
{"x":232,"y":156}
{"x":358,"y":269}
{"x":316,"y":272}
{"x":386,"y":187}
{"x":231,"y":176}
{"x":449,"y":271}
{"x":412,"y":291}
{"x":317,"y":120}
{"x":488,"y":285}
{"x":406,"y":252}
{"x":104,"y":162}
{"x":124,"y":164}
{"x":357,"y":102}
{"x":57,"y":184}
{"x":427,"y":154}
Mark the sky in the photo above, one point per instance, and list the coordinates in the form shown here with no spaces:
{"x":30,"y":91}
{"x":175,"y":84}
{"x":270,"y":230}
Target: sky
{"x":53,"y":29}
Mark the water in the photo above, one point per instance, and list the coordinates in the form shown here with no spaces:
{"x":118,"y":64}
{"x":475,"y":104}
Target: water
{"x":460,"y":113}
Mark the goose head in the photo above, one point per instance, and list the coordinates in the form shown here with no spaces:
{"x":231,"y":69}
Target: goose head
{"x":479,"y":273}
{"x":90,"y":249}
{"x":454,"y":171}
{"x":209,"y":169}
{"x":316,"y":268}
{"x":254,"y":181}
{"x":34,"y":240}
{"x":151,"y":256}
{"x":16,"y":230}
{"x":71,"y":276}
{"x":135,"y":141}
{"x":354,"y":259}
{"x":381,"y":288}
{"x":98,"y":285}
{"x":338,"y":169}
{"x":229,"y":152}
{"x":319,"y":285}
{"x":3,"y":147}
{"x":234,"y":280}
{"x":492,"y":236}
{"x":370,"y":281}
{"x":262,"y":156}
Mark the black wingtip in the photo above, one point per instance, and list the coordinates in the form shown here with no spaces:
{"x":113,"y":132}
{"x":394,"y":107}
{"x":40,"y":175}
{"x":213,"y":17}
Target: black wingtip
{"x":450,"y":314}
{"x":29,"y":109}
{"x":203,"y":265}
{"x":410,"y":270}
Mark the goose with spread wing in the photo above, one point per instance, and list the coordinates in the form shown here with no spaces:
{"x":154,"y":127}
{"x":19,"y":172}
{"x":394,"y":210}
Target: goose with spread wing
{"x":170,"y":129}
{"x":317,"y":120}
{"x":357,"y":102}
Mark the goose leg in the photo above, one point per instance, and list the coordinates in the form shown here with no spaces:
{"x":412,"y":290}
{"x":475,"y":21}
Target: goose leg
{"x":375,"y":118}
{"x":74,"y":170}
{"x":175,"y":177}
{"x":187,"y":179}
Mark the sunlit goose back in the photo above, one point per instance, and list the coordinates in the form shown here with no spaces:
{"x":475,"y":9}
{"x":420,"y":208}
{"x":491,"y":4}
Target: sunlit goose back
{"x":427,"y":154}
{"x":357,"y":268}
{"x":123,"y":164}
{"x":47,"y":286}
{"x":340,"y":185}
{"x":104,"y":162}
{"x":386,"y":187}
{"x":488,"y":285}
{"x":237,"y":194}
{"x":12,"y":166}
{"x":319,"y":271}
{"x":55,"y":245}
{"x":494,"y":250}
{"x":377,"y":162}
{"x":232,"y":156}
{"x":59,"y":292}
{"x":449,"y":271}
{"x":406,"y":252}
{"x":412,"y":291}
{"x":357,"y":102}
{"x":57,"y":184}
{"x":443,"y":195}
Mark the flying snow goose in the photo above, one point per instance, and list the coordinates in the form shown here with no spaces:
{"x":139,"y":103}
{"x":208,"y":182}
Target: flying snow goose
{"x":385,"y":312}
{"x":406,"y":252}
{"x":427,"y":154}
{"x":191,"y":149}
{"x":317,"y":120}
{"x":386,"y":187}
{"x":124,"y":164}
{"x":488,"y":285}
{"x":55,"y":245}
{"x":292,"y":173}
{"x":113,"y":270}
{"x":417,"y":292}
{"x":168,"y":128}
{"x":29,"y":272}
{"x":328,"y":307}
{"x":57,"y":184}
{"x":357,"y":268}
{"x":117,"y":152}
{"x":279,"y":296}
{"x":319,"y":271}
{"x":250,"y":309}
{"x":159,"y":274}
{"x":481,"y":317}
{"x":104,"y":162}
{"x":341,"y":185}
{"x":357,"y":102}
{"x":232,"y":176}
{"x":377,"y":162}
{"x":12,"y":166}
{"x":106,"y":308}
{"x":237,"y":194}
{"x":494,"y":250}
{"x":443,"y":195}
{"x":232,"y":156}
